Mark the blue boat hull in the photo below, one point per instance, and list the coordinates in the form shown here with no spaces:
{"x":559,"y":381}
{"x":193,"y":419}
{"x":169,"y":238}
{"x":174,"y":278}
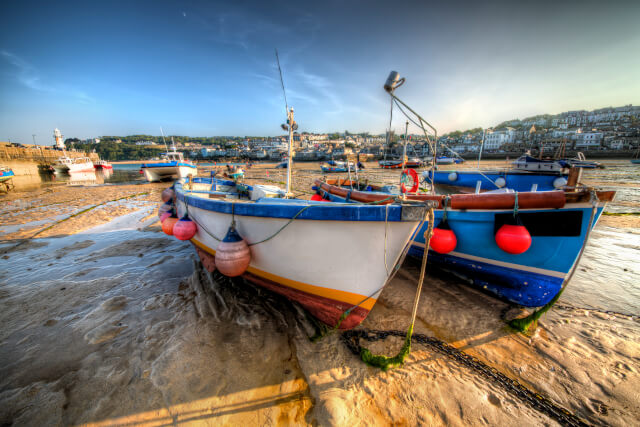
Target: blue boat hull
{"x":530,"y":279}
{"x":6,"y":175}
{"x":517,"y":181}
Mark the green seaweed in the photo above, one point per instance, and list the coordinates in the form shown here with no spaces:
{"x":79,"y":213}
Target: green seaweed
{"x":385,"y":363}
{"x":523,"y":324}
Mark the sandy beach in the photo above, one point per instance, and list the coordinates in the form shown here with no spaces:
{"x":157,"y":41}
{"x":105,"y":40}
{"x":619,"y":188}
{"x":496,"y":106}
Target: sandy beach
{"x":108,"y":321}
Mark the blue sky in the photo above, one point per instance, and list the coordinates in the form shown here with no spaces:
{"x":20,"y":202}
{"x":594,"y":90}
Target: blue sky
{"x":208,"y":68}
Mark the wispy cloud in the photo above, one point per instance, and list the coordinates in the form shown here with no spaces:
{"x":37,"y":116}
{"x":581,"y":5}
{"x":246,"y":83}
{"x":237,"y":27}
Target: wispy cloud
{"x":29,"y":77}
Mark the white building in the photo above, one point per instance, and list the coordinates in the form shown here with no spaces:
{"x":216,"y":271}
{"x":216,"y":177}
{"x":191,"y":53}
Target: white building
{"x":588,"y":139}
{"x":496,"y":139}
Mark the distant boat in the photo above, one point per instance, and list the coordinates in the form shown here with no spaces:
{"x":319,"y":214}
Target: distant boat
{"x":397,"y":164}
{"x":5,"y":173}
{"x":443,"y":160}
{"x":337,"y":166}
{"x":102,"y":164}
{"x":636,"y":158}
{"x":172,"y":166}
{"x":579,"y":162}
{"x":67,"y":164}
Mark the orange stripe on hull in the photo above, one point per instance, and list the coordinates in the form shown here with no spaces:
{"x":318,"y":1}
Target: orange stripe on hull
{"x":325,"y":304}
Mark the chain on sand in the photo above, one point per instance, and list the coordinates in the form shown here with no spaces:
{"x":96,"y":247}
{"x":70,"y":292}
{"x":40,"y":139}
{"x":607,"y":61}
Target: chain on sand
{"x":538,"y":402}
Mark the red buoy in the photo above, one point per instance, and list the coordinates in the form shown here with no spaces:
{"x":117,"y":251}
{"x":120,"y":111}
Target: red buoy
{"x":443,"y":240}
{"x":513,"y":238}
{"x":317,"y":198}
{"x":185,"y":229}
{"x":233,"y":254}
{"x":168,"y":224}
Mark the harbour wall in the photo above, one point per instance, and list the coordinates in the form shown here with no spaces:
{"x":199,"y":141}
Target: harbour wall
{"x":24,"y":161}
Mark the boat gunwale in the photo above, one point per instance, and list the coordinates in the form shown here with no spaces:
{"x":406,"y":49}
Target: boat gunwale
{"x":277,"y":208}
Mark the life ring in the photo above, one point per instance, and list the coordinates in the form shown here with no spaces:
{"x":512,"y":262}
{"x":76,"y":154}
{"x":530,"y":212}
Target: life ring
{"x":414,"y":175}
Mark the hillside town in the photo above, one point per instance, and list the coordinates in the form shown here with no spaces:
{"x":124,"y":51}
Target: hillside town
{"x":604,"y":132}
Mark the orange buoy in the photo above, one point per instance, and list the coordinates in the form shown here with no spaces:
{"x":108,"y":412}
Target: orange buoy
{"x":317,"y":198}
{"x":165,"y":216}
{"x":167,"y":194}
{"x":233,"y":254}
{"x":443,"y":240}
{"x":168,"y":224}
{"x":513,"y":237}
{"x":185,"y":229}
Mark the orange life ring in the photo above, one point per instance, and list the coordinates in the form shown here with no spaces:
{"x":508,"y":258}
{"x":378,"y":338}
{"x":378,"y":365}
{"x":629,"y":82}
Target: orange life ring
{"x":414,"y":175}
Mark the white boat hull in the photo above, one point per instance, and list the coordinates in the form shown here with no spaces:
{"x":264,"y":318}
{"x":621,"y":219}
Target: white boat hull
{"x":326,"y":266}
{"x":159,"y":173}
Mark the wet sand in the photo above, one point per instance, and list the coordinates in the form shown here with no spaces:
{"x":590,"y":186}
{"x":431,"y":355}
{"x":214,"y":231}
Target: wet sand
{"x":107,"y":321}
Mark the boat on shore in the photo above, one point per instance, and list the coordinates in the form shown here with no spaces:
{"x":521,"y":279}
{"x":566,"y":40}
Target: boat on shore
{"x":558,"y":223}
{"x":173,"y":165}
{"x":321,"y":279}
{"x":6,"y":173}
{"x":102,"y":164}
{"x":398,"y":164}
{"x":334,"y":166}
{"x":67,"y":164}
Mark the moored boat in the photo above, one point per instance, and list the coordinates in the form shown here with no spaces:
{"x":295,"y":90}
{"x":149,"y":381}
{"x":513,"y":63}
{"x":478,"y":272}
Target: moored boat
{"x":102,"y":164}
{"x":487,"y":180}
{"x":6,"y":173}
{"x":557,"y":222}
{"x":67,"y":164}
{"x":173,"y":165}
{"x":292,"y":243}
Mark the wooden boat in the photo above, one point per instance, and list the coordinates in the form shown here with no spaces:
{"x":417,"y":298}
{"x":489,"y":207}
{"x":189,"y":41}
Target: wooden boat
{"x":297,"y":257}
{"x":557,"y":221}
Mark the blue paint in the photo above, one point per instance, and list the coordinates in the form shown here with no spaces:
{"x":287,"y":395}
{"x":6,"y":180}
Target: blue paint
{"x":167,"y":164}
{"x":475,"y":233}
{"x":288,"y":208}
{"x":517,"y":286}
{"x":518,"y":181}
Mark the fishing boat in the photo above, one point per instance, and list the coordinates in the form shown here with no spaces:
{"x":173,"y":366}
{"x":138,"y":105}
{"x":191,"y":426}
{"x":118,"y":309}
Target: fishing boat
{"x":397,"y":164}
{"x":443,"y":160}
{"x":520,"y":246}
{"x":67,"y":164}
{"x":288,"y":245}
{"x":557,"y":221}
{"x":636,"y":158}
{"x":337,"y":166}
{"x":172,"y":165}
{"x":487,"y":180}
{"x":6,"y":173}
{"x":102,"y":164}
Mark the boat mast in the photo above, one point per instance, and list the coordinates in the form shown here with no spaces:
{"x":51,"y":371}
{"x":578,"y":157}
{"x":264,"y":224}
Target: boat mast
{"x":290,"y":122}
{"x":484,"y":134}
{"x":163,"y":140}
{"x":404,"y":148}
